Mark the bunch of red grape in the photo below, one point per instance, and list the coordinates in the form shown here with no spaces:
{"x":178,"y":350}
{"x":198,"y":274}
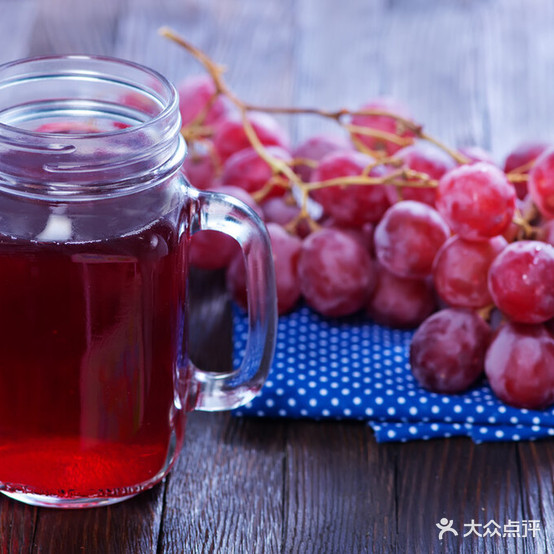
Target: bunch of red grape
{"x":381,"y":219}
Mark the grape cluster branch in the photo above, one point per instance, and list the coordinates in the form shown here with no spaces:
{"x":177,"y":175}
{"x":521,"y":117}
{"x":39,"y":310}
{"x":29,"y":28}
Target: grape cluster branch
{"x":283,"y":174}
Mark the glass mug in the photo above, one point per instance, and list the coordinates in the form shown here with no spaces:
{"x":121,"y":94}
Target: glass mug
{"x":95,"y":222}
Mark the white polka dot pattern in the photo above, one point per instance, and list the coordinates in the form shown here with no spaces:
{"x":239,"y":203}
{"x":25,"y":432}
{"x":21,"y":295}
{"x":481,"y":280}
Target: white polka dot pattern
{"x":352,"y":368}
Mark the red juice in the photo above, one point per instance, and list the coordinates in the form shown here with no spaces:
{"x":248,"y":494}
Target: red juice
{"x":90,"y":346}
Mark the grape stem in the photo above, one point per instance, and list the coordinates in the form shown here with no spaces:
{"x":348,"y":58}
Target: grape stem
{"x":283,"y":175}
{"x":366,"y":131}
{"x":516,"y":177}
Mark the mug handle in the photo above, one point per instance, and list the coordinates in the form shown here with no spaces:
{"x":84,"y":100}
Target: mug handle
{"x":222,"y":212}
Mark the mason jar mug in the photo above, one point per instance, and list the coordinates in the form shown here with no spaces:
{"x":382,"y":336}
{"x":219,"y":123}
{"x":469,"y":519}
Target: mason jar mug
{"x":95,"y":222}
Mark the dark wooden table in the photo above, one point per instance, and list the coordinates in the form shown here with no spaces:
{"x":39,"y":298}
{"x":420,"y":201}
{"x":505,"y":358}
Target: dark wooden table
{"x":475,"y":71}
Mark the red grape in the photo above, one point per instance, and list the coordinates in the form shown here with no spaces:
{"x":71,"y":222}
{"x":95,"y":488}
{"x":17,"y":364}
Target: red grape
{"x":247,"y":170}
{"x":240,"y":194}
{"x":460,"y":271}
{"x":363,"y":234}
{"x":522,"y":156}
{"x":383,"y":123}
{"x":286,"y":250}
{"x":194,"y":94}
{"x":520,"y":366}
{"x":400,"y":302}
{"x":408,"y":238}
{"x":230,"y":136}
{"x":336,"y":273}
{"x":425,"y":158}
{"x":350,"y":204}
{"x":476,"y":154}
{"x":213,"y":249}
{"x":448,"y":350}
{"x":140,"y":102}
{"x":283,"y":210}
{"x":547,"y":234}
{"x":280,"y":210}
{"x":541,"y":183}
{"x":520,"y":281}
{"x":200,"y":167}
{"x":315,"y":148}
{"x":477,"y":201}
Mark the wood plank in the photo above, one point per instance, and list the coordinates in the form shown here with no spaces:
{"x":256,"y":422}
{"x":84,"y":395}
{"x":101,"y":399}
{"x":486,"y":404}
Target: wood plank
{"x":340,"y":490}
{"x":76,"y":27}
{"x":132,"y":526}
{"x":17,"y":526}
{"x":338,"y":61}
{"x":518,"y":52}
{"x":226,"y":492}
{"x":259,"y":68}
{"x":459,"y":481}
{"x":16,"y":27}
{"x":432,"y":61}
{"x":537,"y":476}
{"x":138,"y":38}
{"x":340,"y":483}
{"x":210,"y":328}
{"x":136,"y":523}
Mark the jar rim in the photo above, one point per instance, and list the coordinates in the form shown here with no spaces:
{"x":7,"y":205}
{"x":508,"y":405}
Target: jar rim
{"x":172,"y":101}
{"x":122,"y":125}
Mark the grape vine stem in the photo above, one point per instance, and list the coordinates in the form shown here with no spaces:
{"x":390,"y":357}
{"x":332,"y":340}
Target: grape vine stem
{"x":283,"y":174}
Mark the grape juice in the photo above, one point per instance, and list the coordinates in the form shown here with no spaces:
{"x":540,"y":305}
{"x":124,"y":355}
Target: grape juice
{"x":90,"y":337}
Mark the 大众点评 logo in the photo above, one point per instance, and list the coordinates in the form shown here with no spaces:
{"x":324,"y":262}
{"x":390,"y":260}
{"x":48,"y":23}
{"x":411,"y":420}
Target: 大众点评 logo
{"x":522,"y":529}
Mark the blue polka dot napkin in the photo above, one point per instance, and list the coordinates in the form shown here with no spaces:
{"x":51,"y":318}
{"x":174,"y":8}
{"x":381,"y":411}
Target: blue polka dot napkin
{"x":354,"y":369}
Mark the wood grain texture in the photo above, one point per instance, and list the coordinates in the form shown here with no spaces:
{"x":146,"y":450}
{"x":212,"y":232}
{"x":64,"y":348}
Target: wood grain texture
{"x":338,"y":58}
{"x":132,"y":526}
{"x":252,"y":39}
{"x":536,"y":461}
{"x":17,"y":18}
{"x":340,"y":490}
{"x":518,"y":52}
{"x":75,"y":27}
{"x":210,"y":328}
{"x":214,"y":498}
{"x":461,"y":482}
{"x":432,"y":61}
{"x":17,"y":526}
